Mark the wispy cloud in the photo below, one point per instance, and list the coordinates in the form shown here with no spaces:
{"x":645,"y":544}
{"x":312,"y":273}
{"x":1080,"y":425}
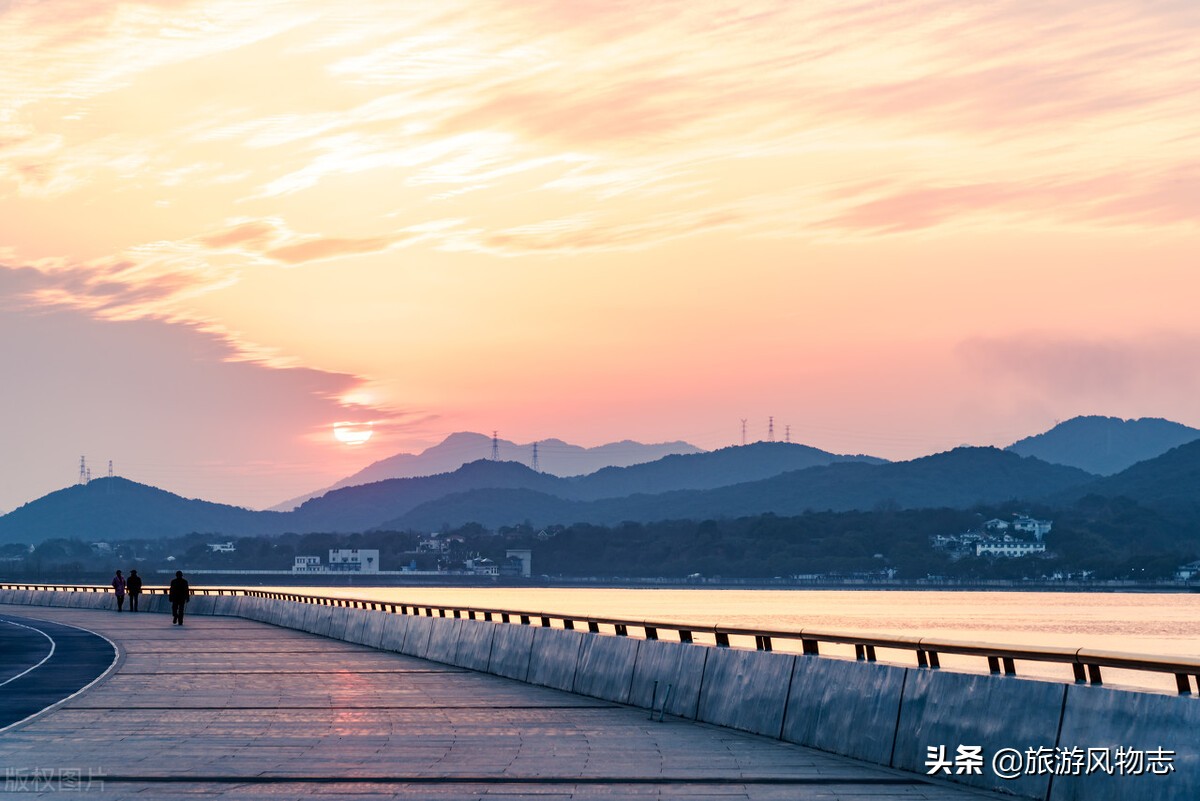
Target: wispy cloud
{"x":1098,"y":370}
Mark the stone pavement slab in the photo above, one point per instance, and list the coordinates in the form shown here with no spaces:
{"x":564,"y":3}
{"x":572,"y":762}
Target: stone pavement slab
{"x":235,"y":709}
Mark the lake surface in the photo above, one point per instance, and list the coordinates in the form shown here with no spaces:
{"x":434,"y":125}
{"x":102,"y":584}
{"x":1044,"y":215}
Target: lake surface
{"x":1163,"y":624}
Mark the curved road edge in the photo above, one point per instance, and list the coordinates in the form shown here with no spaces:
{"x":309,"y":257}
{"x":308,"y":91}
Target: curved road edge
{"x":78,"y":659}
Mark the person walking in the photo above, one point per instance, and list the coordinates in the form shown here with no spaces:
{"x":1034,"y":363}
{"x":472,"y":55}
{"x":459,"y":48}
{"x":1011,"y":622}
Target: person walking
{"x":179,"y":594}
{"x":118,"y":585}
{"x":133,"y":586}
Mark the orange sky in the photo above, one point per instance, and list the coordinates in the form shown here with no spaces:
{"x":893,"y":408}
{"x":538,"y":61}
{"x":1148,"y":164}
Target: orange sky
{"x":894,"y":227}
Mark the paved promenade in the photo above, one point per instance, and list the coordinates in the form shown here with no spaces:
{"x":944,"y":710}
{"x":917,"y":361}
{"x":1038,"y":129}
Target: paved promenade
{"x":230,"y":708}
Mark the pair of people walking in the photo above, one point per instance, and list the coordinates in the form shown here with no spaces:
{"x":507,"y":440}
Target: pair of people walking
{"x":131,"y":586}
{"x":178,"y":594}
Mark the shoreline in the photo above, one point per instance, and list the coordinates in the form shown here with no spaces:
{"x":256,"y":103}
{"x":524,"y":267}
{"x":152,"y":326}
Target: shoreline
{"x":221,"y":578}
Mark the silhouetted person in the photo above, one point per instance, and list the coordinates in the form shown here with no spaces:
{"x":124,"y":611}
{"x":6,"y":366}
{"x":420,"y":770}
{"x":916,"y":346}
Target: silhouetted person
{"x":179,"y":595}
{"x":118,"y":585}
{"x":133,"y":585}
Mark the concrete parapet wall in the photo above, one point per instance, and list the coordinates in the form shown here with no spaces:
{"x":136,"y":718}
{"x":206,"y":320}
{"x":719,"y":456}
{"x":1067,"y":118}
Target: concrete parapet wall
{"x":475,"y":644}
{"x":605,"y":668}
{"x":672,"y":665}
{"x":416,"y":638}
{"x":443,"y":639}
{"x":1097,"y":717}
{"x":953,"y":709}
{"x":885,"y":714}
{"x":372,"y":632}
{"x":849,"y":708}
{"x":391,"y":637}
{"x":554,"y":658}
{"x":746,"y":690}
{"x":510,"y":651}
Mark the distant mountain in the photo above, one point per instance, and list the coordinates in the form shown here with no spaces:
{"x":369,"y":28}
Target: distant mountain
{"x":554,"y":457}
{"x":956,"y":479}
{"x":116,"y":508}
{"x":696,"y":486}
{"x":364,"y":506}
{"x":1168,"y":484}
{"x":1105,"y":445}
{"x":720,"y":468}
{"x":128,"y":510}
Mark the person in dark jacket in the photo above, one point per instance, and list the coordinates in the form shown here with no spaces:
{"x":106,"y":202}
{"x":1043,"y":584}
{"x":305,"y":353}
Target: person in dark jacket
{"x":133,"y":586}
{"x":179,"y":595}
{"x":118,"y":585}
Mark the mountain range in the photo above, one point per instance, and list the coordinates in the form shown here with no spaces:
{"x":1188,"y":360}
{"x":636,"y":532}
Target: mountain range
{"x":764,"y":477}
{"x":554,"y":457}
{"x":1105,"y":445}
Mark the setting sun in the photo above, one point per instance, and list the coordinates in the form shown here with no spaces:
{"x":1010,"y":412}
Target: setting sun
{"x":352,"y":433}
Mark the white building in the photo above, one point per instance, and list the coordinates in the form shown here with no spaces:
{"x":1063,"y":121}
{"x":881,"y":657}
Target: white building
{"x":1187,"y":572}
{"x":308,"y":564}
{"x":1008,"y":547}
{"x":353,"y":560}
{"x":483,"y":567}
{"x":1038,"y":528}
{"x":221,"y":547}
{"x":520,"y":561}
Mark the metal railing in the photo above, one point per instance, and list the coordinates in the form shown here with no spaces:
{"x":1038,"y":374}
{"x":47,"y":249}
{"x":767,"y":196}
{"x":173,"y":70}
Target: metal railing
{"x":1086,"y":663}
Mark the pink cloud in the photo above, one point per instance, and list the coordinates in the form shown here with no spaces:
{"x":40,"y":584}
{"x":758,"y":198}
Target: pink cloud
{"x":330,"y":247}
{"x":251,"y":233}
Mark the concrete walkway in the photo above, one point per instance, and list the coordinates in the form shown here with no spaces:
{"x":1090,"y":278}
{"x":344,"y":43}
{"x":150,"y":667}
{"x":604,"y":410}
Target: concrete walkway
{"x":230,"y":708}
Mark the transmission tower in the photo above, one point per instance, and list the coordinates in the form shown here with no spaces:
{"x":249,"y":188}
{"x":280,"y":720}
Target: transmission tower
{"x":110,"y":472}
{"x":743,"y":430}
{"x":534,"y":463}
{"x":88,"y":480}
{"x":83,"y":470}
{"x":770,"y":429}
{"x":495,"y":447}
{"x":787,"y":434}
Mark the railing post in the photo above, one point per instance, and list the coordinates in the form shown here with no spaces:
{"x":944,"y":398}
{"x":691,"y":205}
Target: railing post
{"x":593,"y":627}
{"x":762,"y":642}
{"x":722,"y":639}
{"x":651,"y":633}
{"x":810,"y":647}
{"x":621,"y":630}
{"x":1183,"y":684}
{"x":545,"y":622}
{"x":1094,"y":674}
{"x":568,"y":624}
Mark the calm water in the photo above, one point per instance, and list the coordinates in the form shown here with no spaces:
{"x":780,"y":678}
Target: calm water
{"x":1146,"y":623}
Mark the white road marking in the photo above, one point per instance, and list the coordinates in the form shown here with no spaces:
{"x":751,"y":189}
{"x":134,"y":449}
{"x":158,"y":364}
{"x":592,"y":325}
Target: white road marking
{"x":53,"y":645}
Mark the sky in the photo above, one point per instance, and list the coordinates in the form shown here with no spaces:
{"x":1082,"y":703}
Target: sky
{"x":895,"y":228}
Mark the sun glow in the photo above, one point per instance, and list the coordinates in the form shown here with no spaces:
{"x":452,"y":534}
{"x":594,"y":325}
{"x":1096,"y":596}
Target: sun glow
{"x":352,"y":433}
